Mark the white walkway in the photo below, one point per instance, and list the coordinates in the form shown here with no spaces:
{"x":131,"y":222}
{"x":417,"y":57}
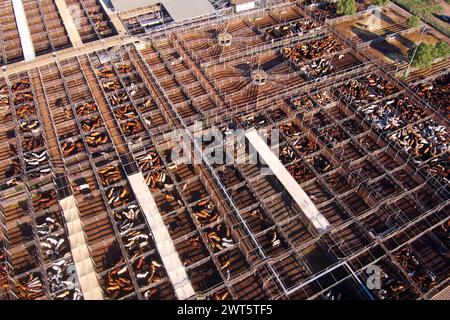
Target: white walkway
{"x":80,"y":251}
{"x":164,"y":244}
{"x":120,"y":28}
{"x":289,"y":183}
{"x":69,"y":23}
{"x":24,"y":31}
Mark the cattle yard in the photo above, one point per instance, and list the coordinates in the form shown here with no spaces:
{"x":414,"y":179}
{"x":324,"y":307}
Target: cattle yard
{"x":46,"y":27}
{"x":85,"y":137}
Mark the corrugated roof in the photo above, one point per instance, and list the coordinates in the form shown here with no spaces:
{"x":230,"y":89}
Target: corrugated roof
{"x":178,"y":9}
{"x":181,"y":9}
{"x":125,"y":5}
{"x":235,"y":2}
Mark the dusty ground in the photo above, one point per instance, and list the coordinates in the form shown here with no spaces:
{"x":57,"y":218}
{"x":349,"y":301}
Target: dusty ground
{"x":371,"y":26}
{"x":445,"y":11}
{"x":396,"y":50}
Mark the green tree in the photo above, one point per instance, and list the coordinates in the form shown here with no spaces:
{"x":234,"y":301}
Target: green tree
{"x":346,"y":7}
{"x":340,"y":7}
{"x":413,"y":21}
{"x":442,"y":50}
{"x":427,"y":9}
{"x":380,"y":2}
{"x":424,"y":56}
{"x":351,"y":7}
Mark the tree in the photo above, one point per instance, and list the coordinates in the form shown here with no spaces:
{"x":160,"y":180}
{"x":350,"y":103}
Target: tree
{"x":340,"y":7}
{"x":380,"y":2}
{"x":428,"y":9}
{"x":442,"y":50}
{"x":424,"y":56}
{"x":413,"y":21}
{"x":346,"y":7}
{"x":426,"y":53}
{"x":351,"y":7}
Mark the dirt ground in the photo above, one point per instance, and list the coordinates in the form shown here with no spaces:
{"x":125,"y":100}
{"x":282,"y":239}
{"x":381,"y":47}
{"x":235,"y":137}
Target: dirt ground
{"x":396,"y":50}
{"x":371,"y":26}
{"x":445,"y":11}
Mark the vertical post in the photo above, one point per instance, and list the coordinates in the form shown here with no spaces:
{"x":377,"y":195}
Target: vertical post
{"x":414,"y":54}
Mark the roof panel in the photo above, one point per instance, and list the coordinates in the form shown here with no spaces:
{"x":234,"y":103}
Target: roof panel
{"x":126,"y":5}
{"x":182,"y":10}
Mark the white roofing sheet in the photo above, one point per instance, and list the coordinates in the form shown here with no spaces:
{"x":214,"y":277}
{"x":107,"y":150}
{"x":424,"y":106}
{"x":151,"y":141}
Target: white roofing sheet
{"x":187,"y":9}
{"x":178,"y":9}
{"x":125,"y":5}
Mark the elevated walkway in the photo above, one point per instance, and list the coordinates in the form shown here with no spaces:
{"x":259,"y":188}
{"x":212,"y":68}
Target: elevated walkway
{"x":84,"y":265}
{"x":300,"y":197}
{"x":24,"y":31}
{"x":69,"y":24}
{"x":164,"y":244}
